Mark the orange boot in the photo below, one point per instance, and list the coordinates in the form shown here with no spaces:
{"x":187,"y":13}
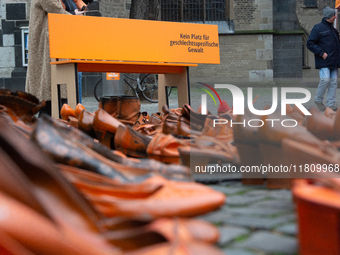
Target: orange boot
{"x":128,"y":108}
{"x":105,"y":127}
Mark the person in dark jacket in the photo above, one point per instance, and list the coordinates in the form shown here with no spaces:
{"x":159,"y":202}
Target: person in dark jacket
{"x":323,"y":41}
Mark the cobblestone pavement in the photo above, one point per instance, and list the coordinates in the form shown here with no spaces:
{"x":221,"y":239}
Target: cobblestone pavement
{"x":254,"y":220}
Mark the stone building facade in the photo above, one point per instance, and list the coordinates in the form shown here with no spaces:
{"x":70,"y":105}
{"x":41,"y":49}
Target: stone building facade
{"x":267,"y":41}
{"x":13,"y":17}
{"x":247,"y":53}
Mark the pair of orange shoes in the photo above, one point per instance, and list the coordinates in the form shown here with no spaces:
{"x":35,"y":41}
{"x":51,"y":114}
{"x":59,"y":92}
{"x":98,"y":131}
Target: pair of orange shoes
{"x":66,"y":111}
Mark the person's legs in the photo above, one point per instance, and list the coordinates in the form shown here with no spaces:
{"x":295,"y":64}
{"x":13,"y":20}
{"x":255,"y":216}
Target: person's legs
{"x":324,"y":74}
{"x":80,"y":76}
{"x":333,"y":85}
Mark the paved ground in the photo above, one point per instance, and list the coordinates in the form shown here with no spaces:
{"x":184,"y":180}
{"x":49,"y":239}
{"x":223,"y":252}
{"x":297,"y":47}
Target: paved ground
{"x":254,"y":220}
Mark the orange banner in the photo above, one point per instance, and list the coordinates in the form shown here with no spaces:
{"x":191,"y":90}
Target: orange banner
{"x":337,"y":3}
{"x":132,"y":40}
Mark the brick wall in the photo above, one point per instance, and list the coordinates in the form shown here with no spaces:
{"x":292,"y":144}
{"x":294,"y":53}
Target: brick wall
{"x":253,"y":15}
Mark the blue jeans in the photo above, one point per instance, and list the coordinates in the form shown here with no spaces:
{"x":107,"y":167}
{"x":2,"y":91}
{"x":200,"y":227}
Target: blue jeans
{"x":328,"y":79}
{"x":80,"y":76}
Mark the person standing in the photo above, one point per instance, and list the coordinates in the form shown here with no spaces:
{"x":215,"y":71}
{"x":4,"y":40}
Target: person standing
{"x":324,"y":42}
{"x":38,"y":78}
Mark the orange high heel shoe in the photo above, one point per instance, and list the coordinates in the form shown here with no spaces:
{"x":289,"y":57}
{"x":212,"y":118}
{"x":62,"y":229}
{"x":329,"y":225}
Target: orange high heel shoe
{"x":85,"y":123}
{"x":66,"y":111}
{"x":78,"y":110}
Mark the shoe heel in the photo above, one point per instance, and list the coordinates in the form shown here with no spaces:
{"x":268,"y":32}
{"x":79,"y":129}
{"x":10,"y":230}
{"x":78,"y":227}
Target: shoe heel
{"x":64,"y":117}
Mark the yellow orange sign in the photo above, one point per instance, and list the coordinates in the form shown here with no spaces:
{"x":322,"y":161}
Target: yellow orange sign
{"x":112,"y":76}
{"x":132,"y":40}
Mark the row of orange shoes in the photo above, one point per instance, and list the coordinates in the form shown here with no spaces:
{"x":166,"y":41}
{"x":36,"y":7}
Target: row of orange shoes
{"x":85,"y":198}
{"x":180,"y":136}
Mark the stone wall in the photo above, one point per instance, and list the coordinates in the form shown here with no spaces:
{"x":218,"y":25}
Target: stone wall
{"x":115,"y":8}
{"x":243,"y":56}
{"x":287,"y":56}
{"x":287,"y":40}
{"x":13,"y":17}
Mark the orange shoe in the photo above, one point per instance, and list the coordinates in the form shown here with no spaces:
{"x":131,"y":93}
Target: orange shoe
{"x":67,"y":111}
{"x":105,"y":127}
{"x":131,"y":142}
{"x":85,"y":123}
{"x":164,"y":148}
{"x":78,"y":110}
{"x":172,"y":199}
